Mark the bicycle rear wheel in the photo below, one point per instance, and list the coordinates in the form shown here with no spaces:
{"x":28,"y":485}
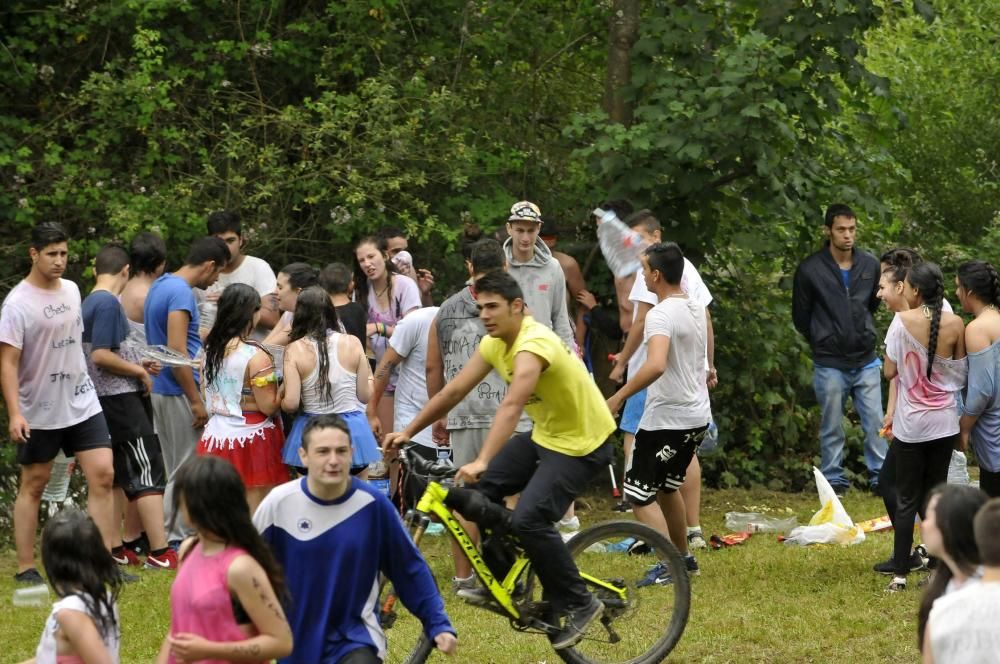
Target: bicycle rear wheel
{"x":651,"y":619}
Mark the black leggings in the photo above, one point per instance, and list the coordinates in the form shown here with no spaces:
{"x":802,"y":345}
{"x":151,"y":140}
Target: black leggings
{"x":887,"y":483}
{"x":989,"y":482}
{"x":919,"y":468}
{"x":360,"y":656}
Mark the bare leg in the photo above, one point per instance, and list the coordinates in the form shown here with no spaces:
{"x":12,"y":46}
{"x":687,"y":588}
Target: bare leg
{"x":463,"y":568}
{"x":34,"y":477}
{"x":120,"y":506}
{"x":134,"y":525}
{"x":149,"y":509}
{"x":691,"y":491}
{"x":256,"y":495}
{"x":672,"y":505}
{"x":100,"y":474}
{"x":385,"y":412}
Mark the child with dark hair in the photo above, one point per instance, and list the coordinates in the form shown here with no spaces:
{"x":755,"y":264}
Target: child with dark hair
{"x":83,"y":624}
{"x":979,"y":292}
{"x":925,"y":348}
{"x":948,"y":535}
{"x":338,"y":281}
{"x":241,"y":393}
{"x":226,"y":602}
{"x":326,"y":372}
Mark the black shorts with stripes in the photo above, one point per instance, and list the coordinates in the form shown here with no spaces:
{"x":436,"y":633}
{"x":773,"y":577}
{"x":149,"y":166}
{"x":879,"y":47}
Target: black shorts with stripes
{"x":659,"y":462}
{"x":138,"y":461}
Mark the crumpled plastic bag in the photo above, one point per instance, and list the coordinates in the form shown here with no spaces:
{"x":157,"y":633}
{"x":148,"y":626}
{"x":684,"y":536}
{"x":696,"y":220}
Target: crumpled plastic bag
{"x":831,"y":524}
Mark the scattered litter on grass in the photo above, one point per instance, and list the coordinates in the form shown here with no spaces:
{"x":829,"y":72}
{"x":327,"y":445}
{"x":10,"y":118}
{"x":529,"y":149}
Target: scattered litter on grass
{"x":831,"y":524}
{"x":717,"y":542}
{"x":756,"y":522}
{"x":878,"y":525}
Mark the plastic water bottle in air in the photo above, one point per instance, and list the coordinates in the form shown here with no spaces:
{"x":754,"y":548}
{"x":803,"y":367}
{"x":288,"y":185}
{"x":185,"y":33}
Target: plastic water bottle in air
{"x":620,"y":245}
{"x":378,"y":477}
{"x":58,"y":487}
{"x":710,"y":442}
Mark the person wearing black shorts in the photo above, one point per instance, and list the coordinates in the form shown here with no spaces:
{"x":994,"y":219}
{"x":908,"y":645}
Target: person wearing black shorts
{"x":51,"y":402}
{"x":677,"y":411}
{"x":122,"y":384}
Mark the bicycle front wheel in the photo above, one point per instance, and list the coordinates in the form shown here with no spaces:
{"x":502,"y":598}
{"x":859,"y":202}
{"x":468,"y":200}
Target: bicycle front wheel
{"x":406,"y":642}
{"x":643,"y":626}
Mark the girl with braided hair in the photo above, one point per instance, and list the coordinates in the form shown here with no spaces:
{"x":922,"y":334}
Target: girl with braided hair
{"x":925,"y":351}
{"x":979,"y":292}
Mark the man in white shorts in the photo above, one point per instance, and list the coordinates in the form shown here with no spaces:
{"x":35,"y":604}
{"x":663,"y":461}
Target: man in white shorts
{"x":51,"y":402}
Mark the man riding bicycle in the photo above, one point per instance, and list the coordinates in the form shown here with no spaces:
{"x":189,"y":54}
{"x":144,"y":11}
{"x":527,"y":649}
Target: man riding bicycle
{"x":550,"y":465}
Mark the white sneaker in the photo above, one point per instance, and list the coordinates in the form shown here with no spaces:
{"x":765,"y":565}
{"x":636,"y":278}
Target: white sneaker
{"x":696,"y":540}
{"x":458,"y":584}
{"x":570,"y":525}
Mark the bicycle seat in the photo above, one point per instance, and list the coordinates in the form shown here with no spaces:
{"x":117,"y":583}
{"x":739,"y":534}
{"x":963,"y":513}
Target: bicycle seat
{"x":435,"y":470}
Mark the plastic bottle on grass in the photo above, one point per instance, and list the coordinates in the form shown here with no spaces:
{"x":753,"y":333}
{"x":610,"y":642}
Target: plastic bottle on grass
{"x":32,"y":596}
{"x":754,"y":522}
{"x":620,"y":245}
{"x":378,"y":477}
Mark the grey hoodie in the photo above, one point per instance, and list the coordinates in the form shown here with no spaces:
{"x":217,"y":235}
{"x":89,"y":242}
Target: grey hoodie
{"x":544,"y":286}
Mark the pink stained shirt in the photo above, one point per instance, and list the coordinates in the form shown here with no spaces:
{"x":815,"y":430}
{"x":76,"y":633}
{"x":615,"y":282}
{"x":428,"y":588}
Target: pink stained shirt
{"x":200,"y":602}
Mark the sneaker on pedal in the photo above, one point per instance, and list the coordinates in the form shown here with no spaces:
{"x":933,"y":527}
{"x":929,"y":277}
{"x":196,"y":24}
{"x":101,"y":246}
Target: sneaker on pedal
{"x":577,"y":621}
{"x":167,"y":560}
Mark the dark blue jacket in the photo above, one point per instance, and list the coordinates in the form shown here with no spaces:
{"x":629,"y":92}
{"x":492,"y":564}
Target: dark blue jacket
{"x":836,"y":321}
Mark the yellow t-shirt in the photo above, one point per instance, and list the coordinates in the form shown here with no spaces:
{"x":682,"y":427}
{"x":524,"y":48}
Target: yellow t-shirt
{"x":570,"y":414}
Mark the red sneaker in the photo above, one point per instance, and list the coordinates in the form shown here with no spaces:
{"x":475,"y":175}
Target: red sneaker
{"x":125,"y":558}
{"x":166,"y":561}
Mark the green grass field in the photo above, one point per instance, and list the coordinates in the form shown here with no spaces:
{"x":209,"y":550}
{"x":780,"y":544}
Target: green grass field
{"x":759,"y":602}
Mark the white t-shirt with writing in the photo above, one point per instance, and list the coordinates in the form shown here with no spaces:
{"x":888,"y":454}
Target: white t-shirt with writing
{"x":678,"y":399}
{"x":54,"y":387}
{"x":691,"y":283}
{"x":963,"y":625}
{"x":409,"y":339}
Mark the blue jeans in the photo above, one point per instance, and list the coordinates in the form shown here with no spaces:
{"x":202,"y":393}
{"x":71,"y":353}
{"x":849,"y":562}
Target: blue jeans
{"x":832,"y":387}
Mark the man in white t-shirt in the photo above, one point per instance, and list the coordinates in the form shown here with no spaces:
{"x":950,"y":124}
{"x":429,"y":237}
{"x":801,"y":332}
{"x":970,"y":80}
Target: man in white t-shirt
{"x":51,"y":401}
{"x":408,"y":349}
{"x":242,"y":269}
{"x":634,"y":354}
{"x":962,"y":627}
{"x":677,"y":411}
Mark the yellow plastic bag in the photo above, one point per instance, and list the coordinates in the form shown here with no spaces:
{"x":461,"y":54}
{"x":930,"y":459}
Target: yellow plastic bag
{"x":831,"y":524}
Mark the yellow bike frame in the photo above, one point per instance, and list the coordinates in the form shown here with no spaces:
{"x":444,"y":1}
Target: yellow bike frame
{"x":432,"y":502}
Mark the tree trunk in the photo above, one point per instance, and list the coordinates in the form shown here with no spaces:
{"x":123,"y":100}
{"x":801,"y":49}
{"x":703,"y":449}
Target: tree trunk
{"x":624,"y":31}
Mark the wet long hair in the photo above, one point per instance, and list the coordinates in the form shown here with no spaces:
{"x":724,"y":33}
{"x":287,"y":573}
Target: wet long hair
{"x":927,"y":279}
{"x":234,"y":320}
{"x":979,"y":278}
{"x":361,"y":285}
{"x":77,"y":563}
{"x":215,"y":500}
{"x":956,"y":508}
{"x":315,"y":316}
{"x":300,"y":275}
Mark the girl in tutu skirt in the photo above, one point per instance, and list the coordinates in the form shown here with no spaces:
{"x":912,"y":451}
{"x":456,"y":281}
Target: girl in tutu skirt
{"x":326,"y":372}
{"x":241,"y":393}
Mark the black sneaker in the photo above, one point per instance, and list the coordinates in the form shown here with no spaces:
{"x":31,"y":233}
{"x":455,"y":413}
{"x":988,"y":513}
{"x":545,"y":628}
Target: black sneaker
{"x":577,"y":621}
{"x":29,"y":577}
{"x":888,"y":568}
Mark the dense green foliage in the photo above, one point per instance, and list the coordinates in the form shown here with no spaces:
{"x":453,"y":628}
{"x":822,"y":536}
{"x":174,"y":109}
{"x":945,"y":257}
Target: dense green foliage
{"x":322,"y":121}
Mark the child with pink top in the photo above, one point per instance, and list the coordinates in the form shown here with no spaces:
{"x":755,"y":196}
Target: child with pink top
{"x":224,"y":604}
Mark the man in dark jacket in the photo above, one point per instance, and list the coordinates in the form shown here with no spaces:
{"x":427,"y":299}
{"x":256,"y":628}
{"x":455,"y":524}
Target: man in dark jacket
{"x":833,"y":298}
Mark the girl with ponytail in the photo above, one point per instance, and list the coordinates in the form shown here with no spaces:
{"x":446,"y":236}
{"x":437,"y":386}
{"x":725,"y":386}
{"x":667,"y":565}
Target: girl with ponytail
{"x":925,"y":352}
{"x":979,"y":292}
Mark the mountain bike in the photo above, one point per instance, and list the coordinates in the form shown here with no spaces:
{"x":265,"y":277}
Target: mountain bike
{"x":640,"y":625}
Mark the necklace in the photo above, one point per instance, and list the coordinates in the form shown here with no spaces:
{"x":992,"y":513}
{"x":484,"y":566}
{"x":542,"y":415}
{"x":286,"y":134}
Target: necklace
{"x":378,"y":293}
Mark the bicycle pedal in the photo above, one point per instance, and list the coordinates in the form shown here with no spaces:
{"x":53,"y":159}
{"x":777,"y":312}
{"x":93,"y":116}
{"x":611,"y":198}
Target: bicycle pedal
{"x":613,"y":636}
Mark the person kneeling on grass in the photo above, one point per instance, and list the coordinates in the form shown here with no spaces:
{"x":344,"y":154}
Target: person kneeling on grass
{"x":335,"y":534}
{"x":676,"y":415}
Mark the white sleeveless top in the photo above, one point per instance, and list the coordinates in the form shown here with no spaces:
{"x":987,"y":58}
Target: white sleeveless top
{"x":343,"y":383}
{"x":227,"y":427}
{"x":47,"y":653}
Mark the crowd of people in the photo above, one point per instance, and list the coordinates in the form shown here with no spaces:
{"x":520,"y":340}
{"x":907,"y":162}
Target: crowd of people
{"x":248,"y":461}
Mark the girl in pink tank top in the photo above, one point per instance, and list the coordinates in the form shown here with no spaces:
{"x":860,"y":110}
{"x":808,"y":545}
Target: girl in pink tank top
{"x":225,"y":604}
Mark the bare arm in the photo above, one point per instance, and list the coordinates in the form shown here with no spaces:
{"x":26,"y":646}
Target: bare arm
{"x":10,"y":360}
{"x":114,"y":363}
{"x":177,"y":327}
{"x":710,"y":351}
{"x":81,"y":631}
{"x":528,"y":367}
{"x":633,"y":341}
{"x":454,"y":391}
{"x":364,"y":381}
{"x":651,"y":369}
{"x":623,"y":286}
{"x":382,"y":374}
{"x":293,"y":379}
{"x":269,"y":312}
{"x":434,"y":368}
{"x":265,"y":396}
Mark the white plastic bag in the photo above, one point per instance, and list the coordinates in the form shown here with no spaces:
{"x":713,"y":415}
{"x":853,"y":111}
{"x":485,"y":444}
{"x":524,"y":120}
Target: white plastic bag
{"x":831,"y":524}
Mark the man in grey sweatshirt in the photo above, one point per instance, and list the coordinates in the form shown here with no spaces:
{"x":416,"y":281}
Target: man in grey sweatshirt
{"x":541,"y":278}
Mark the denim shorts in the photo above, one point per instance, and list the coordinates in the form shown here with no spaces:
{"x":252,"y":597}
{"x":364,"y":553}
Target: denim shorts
{"x":632,"y":412}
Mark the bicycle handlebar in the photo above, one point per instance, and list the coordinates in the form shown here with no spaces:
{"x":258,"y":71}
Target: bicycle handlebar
{"x":438,"y":470}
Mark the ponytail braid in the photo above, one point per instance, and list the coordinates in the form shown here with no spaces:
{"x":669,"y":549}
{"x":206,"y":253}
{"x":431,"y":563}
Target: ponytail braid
{"x":994,"y":285}
{"x":935,"y":304}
